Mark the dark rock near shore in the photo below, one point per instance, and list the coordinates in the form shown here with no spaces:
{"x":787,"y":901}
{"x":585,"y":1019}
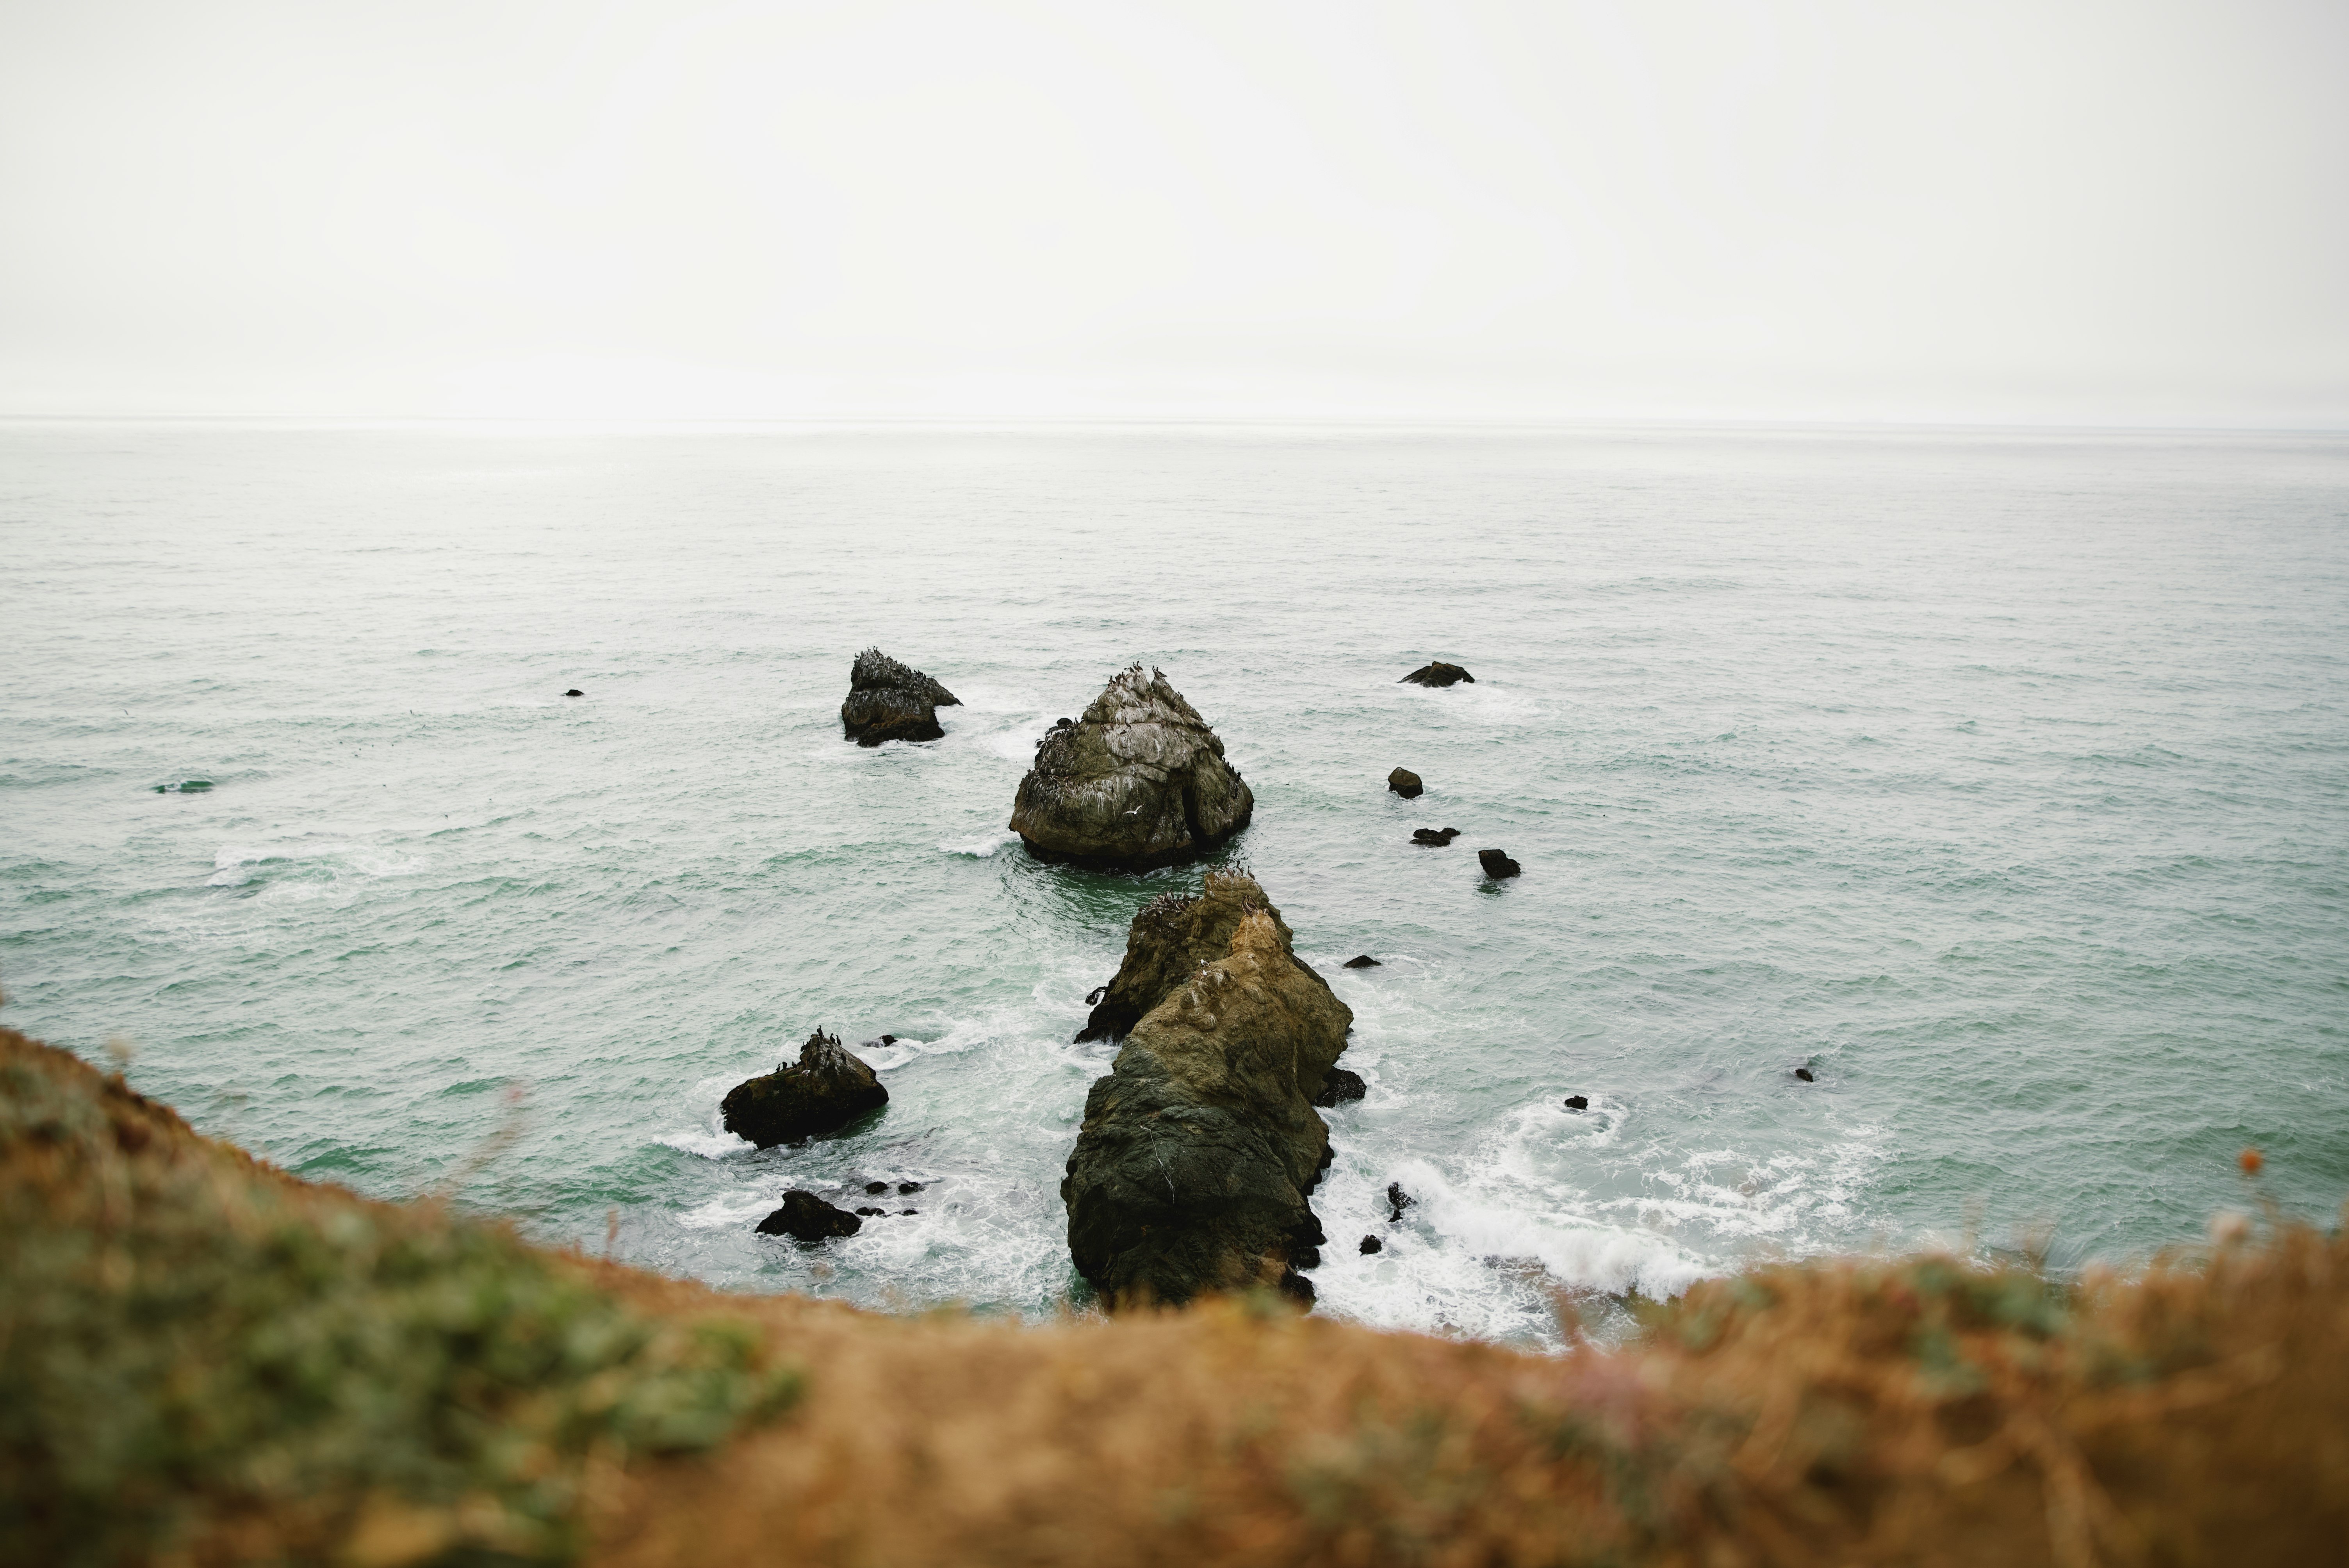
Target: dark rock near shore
{"x":1173,"y":937}
{"x":876,"y":1186}
{"x":828,"y":1088}
{"x":1405,"y":783}
{"x":1341,"y":1085}
{"x":1373,"y":1244}
{"x":1438,"y":674}
{"x":1577,"y":1102}
{"x":1497,"y":865}
{"x":1434,"y":838}
{"x":1806,"y":1075}
{"x":808,"y":1219}
{"x":1363,"y":961}
{"x":890,"y":701}
{"x":868,"y":1212}
{"x":1137,"y":783}
{"x":1397,"y":1199}
{"x":1191,"y":1171}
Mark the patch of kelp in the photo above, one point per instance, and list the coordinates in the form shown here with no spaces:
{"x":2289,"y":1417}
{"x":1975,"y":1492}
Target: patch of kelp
{"x":203,"y":1360}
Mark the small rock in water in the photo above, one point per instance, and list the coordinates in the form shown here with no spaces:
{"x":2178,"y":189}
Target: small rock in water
{"x":876,"y":1186}
{"x":1399,"y":1199}
{"x":1362,"y":961}
{"x":808,"y":1219}
{"x":1577,"y":1102}
{"x":1338,"y":1087}
{"x":1405,"y":783}
{"x":888,"y":1039}
{"x":575,"y":691}
{"x":1806,"y":1075}
{"x":904,"y":1187}
{"x":908,"y":1212}
{"x":881,"y":1212}
{"x":1438,"y":674}
{"x":1373,"y":1244}
{"x":1433,"y":838}
{"x":890,"y":701}
{"x":1497,"y":865}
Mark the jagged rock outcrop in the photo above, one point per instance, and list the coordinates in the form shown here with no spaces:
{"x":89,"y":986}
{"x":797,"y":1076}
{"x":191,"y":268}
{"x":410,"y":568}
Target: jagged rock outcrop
{"x":1175,"y":935}
{"x":808,"y":1219}
{"x":1138,"y":782}
{"x":890,"y":701}
{"x":1341,"y":1085}
{"x":1405,"y":783}
{"x":1433,"y":838}
{"x":1199,"y":1149}
{"x":829,"y":1088}
{"x":1438,"y":674}
{"x":1362,"y":961}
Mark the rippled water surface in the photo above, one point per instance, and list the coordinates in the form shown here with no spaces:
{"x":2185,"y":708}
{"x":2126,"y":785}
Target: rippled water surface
{"x":2000,"y":778}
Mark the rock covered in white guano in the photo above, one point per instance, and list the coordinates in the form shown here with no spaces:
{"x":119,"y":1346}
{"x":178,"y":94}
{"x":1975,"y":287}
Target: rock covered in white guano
{"x":890,"y":701}
{"x":1138,"y":782}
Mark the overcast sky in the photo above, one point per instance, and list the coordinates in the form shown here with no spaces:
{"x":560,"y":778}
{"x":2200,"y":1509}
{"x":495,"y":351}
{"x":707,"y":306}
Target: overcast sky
{"x":2066,"y":210}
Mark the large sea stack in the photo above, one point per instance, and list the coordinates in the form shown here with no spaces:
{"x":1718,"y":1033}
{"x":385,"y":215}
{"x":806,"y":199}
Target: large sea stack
{"x":890,"y":701}
{"x":1139,"y":782}
{"x":1175,"y":935}
{"x":830,"y":1087}
{"x":1198,"y":1150}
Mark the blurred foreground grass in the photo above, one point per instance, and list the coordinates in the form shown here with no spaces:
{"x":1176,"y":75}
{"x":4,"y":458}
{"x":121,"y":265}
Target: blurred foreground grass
{"x":202,"y":1360}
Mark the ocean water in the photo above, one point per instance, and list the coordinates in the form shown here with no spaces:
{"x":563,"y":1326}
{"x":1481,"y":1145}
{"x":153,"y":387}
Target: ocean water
{"x":1997,"y":777}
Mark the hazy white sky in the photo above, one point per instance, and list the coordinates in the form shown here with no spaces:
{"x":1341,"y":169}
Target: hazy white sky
{"x":2063,"y":209}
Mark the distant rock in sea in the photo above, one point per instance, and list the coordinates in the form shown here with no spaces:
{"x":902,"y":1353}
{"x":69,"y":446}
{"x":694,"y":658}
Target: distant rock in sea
{"x":1138,"y":782}
{"x":890,"y":701}
{"x":1438,"y":674}
{"x":1806,"y":1075}
{"x":1497,"y":865}
{"x":1362,"y":961}
{"x":808,"y":1219}
{"x":828,"y":1088}
{"x":1434,"y":839}
{"x":1198,"y":1149}
{"x":1577,"y":1102}
{"x":575,"y":691}
{"x":1405,"y":783}
{"x":1371,"y":1245}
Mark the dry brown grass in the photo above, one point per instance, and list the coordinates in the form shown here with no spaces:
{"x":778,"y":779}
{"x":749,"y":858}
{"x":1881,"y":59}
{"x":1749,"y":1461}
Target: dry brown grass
{"x":1898,"y":1412}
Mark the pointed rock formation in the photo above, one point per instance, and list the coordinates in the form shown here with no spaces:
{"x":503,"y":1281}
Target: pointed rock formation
{"x":1198,"y":1149}
{"x":1139,"y":782}
{"x":829,"y":1088}
{"x":1173,"y":938}
{"x":889,"y":701}
{"x":1438,"y":674}
{"x":808,"y":1219}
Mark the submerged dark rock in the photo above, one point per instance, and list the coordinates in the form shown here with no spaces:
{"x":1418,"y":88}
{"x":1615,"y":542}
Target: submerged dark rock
{"x":1577,"y":1102}
{"x":1341,"y":1085}
{"x":1137,"y":783}
{"x":1191,"y":1171}
{"x":1373,"y":1244}
{"x":1171,"y":939}
{"x":575,"y":691}
{"x":1363,"y":961}
{"x":906,"y":1187}
{"x":1438,"y":674}
{"x":1806,"y":1075}
{"x":876,"y":1186}
{"x":890,"y":701}
{"x":1434,"y":838}
{"x":1397,"y":1199}
{"x":828,"y":1088}
{"x":1497,"y":865}
{"x":808,"y":1219}
{"x":1405,"y":783}
{"x":868,"y":1212}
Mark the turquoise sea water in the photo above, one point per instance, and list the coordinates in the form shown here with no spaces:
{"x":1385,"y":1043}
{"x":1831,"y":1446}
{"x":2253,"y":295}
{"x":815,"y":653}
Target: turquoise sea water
{"x":1998,"y":777}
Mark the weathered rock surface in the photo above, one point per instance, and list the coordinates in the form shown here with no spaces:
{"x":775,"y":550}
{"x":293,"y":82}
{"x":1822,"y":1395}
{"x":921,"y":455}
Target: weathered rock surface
{"x":808,"y":1219}
{"x":1340,"y":1087}
{"x":1138,"y":782}
{"x":830,"y":1087}
{"x":890,"y":701}
{"x":1438,"y":674}
{"x":1198,"y":1150}
{"x":1175,"y":935}
{"x":1405,"y":783}
{"x":1497,"y":865}
{"x":1434,"y":838}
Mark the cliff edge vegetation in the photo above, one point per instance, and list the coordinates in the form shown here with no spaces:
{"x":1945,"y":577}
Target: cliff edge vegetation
{"x":203,"y":1360}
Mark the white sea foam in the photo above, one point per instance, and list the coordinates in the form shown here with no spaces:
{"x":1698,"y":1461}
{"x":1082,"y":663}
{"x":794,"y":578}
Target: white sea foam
{"x":980,"y":847}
